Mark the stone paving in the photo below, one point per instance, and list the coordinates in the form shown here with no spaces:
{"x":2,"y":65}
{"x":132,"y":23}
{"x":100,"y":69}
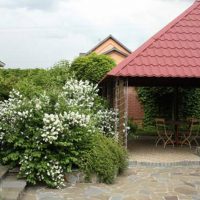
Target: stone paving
{"x":138,"y":183}
{"x":144,"y":150}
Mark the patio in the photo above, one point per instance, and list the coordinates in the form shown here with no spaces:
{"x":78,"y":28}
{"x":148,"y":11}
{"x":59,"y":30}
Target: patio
{"x":138,"y":183}
{"x":143,"y":149}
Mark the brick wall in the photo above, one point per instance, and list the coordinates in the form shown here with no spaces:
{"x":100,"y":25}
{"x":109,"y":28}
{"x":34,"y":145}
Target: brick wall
{"x":135,"y":109}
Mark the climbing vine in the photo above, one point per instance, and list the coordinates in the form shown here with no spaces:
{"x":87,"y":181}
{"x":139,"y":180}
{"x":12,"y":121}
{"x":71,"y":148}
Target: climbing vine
{"x":158,"y":102}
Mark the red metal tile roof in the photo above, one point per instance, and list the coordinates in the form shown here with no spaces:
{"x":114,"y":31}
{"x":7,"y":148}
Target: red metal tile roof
{"x":172,"y":52}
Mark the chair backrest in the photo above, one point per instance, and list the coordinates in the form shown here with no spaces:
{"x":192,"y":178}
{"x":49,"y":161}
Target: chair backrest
{"x":194,"y":127}
{"x":160,"y":126}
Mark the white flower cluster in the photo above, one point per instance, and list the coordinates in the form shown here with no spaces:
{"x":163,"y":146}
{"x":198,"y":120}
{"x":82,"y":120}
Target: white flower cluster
{"x":41,"y":102}
{"x":72,"y":119}
{"x":54,"y":124}
{"x":106,"y":120}
{"x":56,"y":173}
{"x":23,"y":114}
{"x":79,"y":93}
{"x":2,"y":133}
{"x":24,"y":162}
{"x":52,"y":127}
{"x":9,"y":107}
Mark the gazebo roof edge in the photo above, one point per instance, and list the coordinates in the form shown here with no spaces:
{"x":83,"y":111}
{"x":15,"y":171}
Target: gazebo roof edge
{"x":115,"y":72}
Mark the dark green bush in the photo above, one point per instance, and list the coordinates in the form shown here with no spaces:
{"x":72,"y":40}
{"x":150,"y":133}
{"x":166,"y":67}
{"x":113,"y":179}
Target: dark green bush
{"x":92,"y":67}
{"x":31,"y":82}
{"x":106,"y":159}
{"x":132,"y":128}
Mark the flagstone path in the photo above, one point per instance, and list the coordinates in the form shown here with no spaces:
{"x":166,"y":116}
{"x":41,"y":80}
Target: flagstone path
{"x":138,"y":183}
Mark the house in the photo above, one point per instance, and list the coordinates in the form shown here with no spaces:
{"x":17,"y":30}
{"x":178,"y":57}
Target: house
{"x":2,"y":64}
{"x":112,"y":47}
{"x":118,"y":52}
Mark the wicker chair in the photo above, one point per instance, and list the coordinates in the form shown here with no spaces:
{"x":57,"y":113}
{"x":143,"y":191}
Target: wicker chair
{"x":164,"y":135}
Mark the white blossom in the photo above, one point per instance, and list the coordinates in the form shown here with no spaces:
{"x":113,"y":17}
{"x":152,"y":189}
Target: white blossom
{"x":52,"y":127}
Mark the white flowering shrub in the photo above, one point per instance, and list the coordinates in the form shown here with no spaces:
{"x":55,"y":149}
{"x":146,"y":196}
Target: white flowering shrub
{"x":107,"y":120}
{"x":45,"y":137}
{"x":52,"y":128}
{"x":79,"y":94}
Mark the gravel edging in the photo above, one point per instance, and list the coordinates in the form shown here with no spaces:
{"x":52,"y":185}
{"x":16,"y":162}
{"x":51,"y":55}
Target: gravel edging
{"x":163,"y":164}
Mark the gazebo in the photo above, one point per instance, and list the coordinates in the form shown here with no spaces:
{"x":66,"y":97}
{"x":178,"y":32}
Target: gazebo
{"x":169,"y":58}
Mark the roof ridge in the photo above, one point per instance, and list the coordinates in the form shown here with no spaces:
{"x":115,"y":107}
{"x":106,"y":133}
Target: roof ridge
{"x":117,"y":50}
{"x":154,"y":38}
{"x":107,"y":38}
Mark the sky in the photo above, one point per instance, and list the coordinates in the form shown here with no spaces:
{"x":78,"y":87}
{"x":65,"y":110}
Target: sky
{"x":39,"y":33}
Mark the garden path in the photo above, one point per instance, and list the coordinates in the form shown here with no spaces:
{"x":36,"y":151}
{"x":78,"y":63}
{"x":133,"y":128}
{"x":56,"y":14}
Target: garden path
{"x":138,"y":183}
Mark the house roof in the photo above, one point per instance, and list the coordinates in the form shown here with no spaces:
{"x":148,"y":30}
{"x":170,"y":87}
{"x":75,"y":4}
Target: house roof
{"x":2,"y":64}
{"x":174,"y":52}
{"x":107,"y":38}
{"x":116,"y":50}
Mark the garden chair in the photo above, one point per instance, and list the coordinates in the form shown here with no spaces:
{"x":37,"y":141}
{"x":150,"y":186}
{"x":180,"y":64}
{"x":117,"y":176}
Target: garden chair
{"x":192,"y":134}
{"x":164,"y":135}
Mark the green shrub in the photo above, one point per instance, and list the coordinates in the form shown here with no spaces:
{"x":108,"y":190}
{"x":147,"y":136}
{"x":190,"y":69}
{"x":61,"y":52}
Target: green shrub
{"x":92,"y":67}
{"x":31,"y":82}
{"x":47,"y":138}
{"x":106,"y":159}
{"x":132,"y":128}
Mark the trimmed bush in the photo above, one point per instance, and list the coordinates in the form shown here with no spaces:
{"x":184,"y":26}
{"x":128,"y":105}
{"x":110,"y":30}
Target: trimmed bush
{"x":92,"y":67}
{"x":106,"y":159}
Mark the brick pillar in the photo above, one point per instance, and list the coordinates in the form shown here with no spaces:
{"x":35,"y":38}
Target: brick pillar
{"x":120,"y":104}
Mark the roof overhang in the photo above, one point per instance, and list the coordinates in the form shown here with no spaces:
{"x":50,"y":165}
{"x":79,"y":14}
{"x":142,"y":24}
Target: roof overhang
{"x":115,"y":50}
{"x":155,"y":81}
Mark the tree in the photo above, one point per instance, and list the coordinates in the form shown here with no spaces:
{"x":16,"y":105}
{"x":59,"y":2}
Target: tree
{"x":92,"y":67}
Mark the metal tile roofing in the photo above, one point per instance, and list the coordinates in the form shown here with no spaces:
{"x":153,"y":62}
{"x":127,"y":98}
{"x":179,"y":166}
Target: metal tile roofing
{"x":172,"y":52}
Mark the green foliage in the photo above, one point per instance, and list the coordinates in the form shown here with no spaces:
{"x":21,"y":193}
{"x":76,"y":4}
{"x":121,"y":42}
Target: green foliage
{"x":132,"y":128}
{"x":147,"y":97}
{"x":158,"y":102}
{"x":106,"y":159}
{"x":47,"y":138}
{"x":191,"y":102}
{"x":92,"y":67}
{"x":31,"y":82}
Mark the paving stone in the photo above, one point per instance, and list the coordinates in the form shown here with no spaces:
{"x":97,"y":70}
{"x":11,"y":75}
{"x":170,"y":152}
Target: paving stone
{"x":10,"y":194}
{"x":189,"y":184}
{"x":18,"y":184}
{"x":185,"y":190}
{"x":12,"y":188}
{"x":3,"y":171}
{"x":94,"y":191}
{"x":49,"y":196}
{"x":117,"y":197}
{"x":74,"y":177}
{"x":196,"y":197}
{"x":197,"y":182}
{"x":171,"y":198}
{"x":194,"y":174}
